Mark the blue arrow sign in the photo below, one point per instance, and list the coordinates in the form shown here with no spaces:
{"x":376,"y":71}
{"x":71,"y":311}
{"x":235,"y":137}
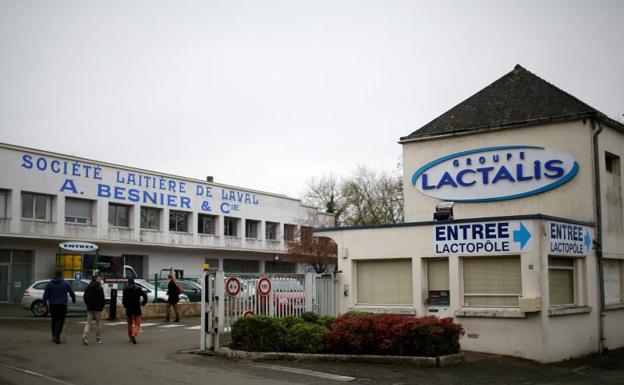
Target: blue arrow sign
{"x":77,"y":277}
{"x":587,"y":240}
{"x":521,"y":235}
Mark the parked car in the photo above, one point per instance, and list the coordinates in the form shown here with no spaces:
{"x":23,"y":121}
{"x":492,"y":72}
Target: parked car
{"x":33,"y":297}
{"x":151,"y":291}
{"x":191,"y":289}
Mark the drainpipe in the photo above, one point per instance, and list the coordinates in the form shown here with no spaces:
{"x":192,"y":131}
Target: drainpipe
{"x":596,"y":130}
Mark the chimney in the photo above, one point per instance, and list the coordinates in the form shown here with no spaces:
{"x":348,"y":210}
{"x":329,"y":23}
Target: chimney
{"x":210,"y":178}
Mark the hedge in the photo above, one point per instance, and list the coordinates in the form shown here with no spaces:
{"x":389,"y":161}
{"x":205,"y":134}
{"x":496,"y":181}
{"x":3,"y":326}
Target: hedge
{"x":387,"y":334}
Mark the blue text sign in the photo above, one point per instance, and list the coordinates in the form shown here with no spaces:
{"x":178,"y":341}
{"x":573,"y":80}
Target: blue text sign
{"x":482,"y":238}
{"x":569,"y":239}
{"x":495,"y":173}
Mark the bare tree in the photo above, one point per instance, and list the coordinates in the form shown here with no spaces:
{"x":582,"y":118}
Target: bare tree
{"x":326,"y":193}
{"x":318,"y":252}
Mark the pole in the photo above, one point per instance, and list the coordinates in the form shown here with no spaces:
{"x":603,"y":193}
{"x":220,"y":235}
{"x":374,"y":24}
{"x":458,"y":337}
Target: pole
{"x":156,"y":289}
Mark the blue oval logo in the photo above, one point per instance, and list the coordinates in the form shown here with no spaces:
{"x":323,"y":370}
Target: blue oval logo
{"x":495,"y":174}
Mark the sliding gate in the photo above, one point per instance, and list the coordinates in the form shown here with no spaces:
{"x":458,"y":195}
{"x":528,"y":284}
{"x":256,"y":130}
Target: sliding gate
{"x":229,"y":296}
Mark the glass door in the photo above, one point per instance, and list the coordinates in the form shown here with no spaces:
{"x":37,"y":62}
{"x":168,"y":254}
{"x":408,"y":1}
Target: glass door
{"x":4,"y":283}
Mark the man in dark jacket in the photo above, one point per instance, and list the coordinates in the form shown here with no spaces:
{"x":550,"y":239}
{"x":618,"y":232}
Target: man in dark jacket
{"x":55,"y":296}
{"x":94,"y":299}
{"x":132,"y":302}
{"x":173,"y":297}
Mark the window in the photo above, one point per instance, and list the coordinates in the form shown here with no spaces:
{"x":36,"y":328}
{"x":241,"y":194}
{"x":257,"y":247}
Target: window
{"x":178,"y":221}
{"x":78,"y":211}
{"x":118,"y":215}
{"x":492,"y":281}
{"x":206,"y":224}
{"x":290,"y":232}
{"x":561,"y":281}
{"x":279,"y":267}
{"x":613,"y":282}
{"x":36,"y":206}
{"x":271,"y":230}
{"x":240,"y":266}
{"x":150,"y":218}
{"x":4,"y":197}
{"x":251,"y":229}
{"x":306,"y":232}
{"x":230,"y":226}
{"x":612,"y":163}
{"x":384,"y":282}
{"x":438,"y":274}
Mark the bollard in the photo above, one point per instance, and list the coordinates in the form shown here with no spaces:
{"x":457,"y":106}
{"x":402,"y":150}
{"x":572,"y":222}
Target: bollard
{"x":112,"y":313}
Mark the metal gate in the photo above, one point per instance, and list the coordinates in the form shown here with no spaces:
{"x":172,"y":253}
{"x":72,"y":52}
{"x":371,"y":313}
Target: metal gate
{"x":229,"y":296}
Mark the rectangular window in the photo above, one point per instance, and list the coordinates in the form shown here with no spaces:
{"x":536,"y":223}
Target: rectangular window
{"x":4,"y":198}
{"x":306,"y":233}
{"x":271,"y":230}
{"x":561,"y":281}
{"x":290,"y":232}
{"x":118,"y":215}
{"x":613,"y":282}
{"x":492,"y":281}
{"x":384,"y":282}
{"x":241,"y":266}
{"x":36,"y":206}
{"x":78,"y":211}
{"x":206,"y":224}
{"x":438,"y":274}
{"x":612,"y":163}
{"x":230,"y":226}
{"x":150,"y":218}
{"x":178,"y":221}
{"x":251,"y":229}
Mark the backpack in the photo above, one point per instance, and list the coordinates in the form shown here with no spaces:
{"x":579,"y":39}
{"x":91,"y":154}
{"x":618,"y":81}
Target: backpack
{"x":180,"y":289}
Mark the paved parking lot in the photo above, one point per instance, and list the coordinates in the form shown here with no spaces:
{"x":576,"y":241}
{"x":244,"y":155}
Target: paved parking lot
{"x":27,"y":356}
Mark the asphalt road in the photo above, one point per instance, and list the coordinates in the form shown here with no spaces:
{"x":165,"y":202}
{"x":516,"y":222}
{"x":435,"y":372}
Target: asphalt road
{"x":27,"y":356}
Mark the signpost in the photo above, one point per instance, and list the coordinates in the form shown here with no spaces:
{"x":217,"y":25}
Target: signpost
{"x":264,"y":286}
{"x":568,"y":239}
{"x":232,"y":286}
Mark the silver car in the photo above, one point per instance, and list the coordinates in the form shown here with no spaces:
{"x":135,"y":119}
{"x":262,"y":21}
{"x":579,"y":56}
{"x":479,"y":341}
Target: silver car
{"x":33,"y":297}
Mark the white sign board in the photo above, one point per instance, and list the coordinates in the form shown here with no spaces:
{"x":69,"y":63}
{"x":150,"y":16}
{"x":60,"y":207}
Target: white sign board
{"x":483,"y":238}
{"x":569,"y":239}
{"x":79,"y":247}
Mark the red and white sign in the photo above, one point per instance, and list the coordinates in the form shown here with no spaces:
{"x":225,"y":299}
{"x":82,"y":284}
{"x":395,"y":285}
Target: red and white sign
{"x":264,"y":286}
{"x":232,"y":286}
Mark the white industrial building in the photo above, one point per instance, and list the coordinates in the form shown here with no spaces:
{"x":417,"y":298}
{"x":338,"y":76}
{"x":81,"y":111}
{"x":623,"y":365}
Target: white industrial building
{"x":526,"y":249}
{"x":155,"y":221}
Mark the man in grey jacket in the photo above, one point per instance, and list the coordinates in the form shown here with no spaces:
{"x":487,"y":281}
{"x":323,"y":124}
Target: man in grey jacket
{"x":55,"y":296}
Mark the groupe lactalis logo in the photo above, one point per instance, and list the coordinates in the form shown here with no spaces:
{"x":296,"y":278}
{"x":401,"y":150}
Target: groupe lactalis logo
{"x":495,"y":173}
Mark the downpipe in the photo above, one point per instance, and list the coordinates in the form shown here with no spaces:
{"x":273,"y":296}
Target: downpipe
{"x":596,"y":130}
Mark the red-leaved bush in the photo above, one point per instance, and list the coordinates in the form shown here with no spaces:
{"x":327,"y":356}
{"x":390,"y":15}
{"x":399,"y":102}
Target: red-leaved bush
{"x":391,"y":334}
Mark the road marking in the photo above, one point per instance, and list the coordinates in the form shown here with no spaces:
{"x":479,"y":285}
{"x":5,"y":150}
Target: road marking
{"x":149,"y":324}
{"x":116,"y":323}
{"x":170,"y":326}
{"x":198,"y":327}
{"x":36,"y":374}
{"x":307,"y":372}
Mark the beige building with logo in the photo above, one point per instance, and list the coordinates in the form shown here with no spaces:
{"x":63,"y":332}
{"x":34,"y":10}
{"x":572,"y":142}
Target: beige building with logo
{"x":513,"y":226}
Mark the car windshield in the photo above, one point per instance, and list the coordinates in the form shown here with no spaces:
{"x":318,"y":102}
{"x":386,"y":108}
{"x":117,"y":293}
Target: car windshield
{"x":145,"y":284}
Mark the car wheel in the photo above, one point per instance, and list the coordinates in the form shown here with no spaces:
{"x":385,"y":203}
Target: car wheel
{"x":39,"y":309}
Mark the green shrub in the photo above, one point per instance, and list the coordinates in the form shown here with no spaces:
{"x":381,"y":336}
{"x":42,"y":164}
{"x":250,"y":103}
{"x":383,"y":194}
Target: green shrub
{"x":290,"y":321}
{"x":305,"y":338}
{"x":310,"y":317}
{"x":326,"y":321}
{"x":259,"y":334}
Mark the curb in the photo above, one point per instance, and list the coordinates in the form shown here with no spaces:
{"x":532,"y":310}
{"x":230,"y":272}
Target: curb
{"x":451,"y":359}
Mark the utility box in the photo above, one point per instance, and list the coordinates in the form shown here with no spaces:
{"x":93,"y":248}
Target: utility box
{"x":438,"y":303}
{"x":530,"y":305}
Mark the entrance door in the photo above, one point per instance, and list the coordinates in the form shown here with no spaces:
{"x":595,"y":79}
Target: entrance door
{"x":438,"y":298}
{"x":4,"y":283}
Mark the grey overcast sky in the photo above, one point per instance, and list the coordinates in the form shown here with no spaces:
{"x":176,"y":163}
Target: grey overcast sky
{"x":266,"y":94}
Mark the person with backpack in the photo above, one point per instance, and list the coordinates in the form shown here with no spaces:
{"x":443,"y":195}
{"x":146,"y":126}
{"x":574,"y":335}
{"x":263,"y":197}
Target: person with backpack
{"x":55,"y":294}
{"x":173,"y":297}
{"x":94,"y":299}
{"x":132,"y":302}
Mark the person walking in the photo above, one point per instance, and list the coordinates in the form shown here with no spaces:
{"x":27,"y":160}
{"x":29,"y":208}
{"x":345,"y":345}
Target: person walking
{"x":94,"y":299}
{"x":132,"y":302}
{"x":173,"y":297}
{"x":55,"y":297}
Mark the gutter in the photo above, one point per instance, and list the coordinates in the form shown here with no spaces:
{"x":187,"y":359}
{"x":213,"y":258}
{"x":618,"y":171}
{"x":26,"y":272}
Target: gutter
{"x":596,"y":130}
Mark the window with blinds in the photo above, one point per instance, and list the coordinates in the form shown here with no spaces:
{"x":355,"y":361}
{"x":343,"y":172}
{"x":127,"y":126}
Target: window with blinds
{"x":384,"y":282}
{"x":613,"y":282}
{"x":78,"y":211}
{"x":561,"y":281}
{"x":492,"y":281}
{"x":3,"y":203}
{"x":438,"y":274}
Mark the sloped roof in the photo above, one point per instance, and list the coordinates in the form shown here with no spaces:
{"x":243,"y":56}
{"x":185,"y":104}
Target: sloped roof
{"x":519,"y":98}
